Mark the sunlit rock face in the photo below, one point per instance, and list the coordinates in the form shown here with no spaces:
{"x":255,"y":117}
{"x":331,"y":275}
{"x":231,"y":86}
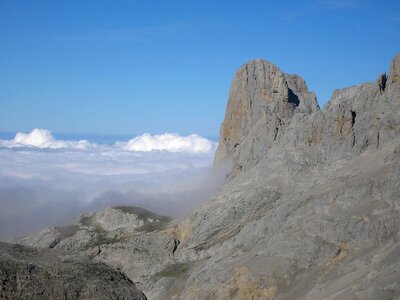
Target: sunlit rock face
{"x":261,"y":104}
{"x":268,"y":107}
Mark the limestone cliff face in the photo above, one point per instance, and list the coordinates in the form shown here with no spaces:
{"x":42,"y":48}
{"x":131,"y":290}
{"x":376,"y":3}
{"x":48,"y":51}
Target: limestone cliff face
{"x":261,"y":103}
{"x":356,"y":119}
{"x":268,"y":107}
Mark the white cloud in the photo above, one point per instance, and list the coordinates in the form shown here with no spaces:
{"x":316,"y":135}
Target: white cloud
{"x":170,"y":142}
{"x":47,"y":182}
{"x":42,"y":138}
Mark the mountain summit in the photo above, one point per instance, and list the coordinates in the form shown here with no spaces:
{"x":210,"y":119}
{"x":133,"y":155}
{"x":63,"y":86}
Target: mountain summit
{"x":261,"y":104}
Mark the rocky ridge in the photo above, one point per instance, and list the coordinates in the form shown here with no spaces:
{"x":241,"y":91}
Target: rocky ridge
{"x":310,"y":209}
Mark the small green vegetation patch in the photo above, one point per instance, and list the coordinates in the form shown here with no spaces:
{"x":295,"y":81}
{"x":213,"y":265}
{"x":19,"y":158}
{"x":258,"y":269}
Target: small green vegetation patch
{"x":100,"y":237}
{"x":154,"y":226}
{"x":176,"y":270}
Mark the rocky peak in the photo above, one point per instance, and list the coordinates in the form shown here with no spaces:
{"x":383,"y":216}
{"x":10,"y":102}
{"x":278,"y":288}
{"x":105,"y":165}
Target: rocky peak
{"x":261,"y":103}
{"x":267,"y":107}
{"x":394,"y":75}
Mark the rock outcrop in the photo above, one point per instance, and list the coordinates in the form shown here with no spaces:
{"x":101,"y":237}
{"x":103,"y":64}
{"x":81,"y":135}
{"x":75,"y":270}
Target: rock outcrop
{"x":311,"y":209}
{"x":130,"y":239}
{"x":394,"y":75}
{"x":28,"y":273}
{"x":261,"y":104}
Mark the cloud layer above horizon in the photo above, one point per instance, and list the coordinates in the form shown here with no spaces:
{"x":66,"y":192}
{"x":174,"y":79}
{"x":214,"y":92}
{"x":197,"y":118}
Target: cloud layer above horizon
{"x":46,"y":182}
{"x":170,"y":142}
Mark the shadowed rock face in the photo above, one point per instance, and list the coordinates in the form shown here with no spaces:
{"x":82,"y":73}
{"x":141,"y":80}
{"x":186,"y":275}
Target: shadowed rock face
{"x":28,"y":273}
{"x":311,"y":210}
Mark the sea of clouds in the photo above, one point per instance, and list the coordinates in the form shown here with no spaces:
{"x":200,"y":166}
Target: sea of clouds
{"x":46,"y":181}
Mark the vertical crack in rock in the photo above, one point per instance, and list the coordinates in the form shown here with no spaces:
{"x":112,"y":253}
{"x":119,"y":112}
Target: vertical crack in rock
{"x":353,"y":118}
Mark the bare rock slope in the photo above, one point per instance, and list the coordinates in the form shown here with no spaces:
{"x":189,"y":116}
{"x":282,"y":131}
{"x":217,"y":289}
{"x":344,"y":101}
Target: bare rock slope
{"x":29,"y":273}
{"x":310,"y":210}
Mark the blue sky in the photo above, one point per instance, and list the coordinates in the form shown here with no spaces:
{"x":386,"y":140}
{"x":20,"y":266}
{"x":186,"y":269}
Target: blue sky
{"x":128,"y":67}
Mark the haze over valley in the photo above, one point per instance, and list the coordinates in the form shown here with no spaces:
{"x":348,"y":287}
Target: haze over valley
{"x":51,"y":182}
